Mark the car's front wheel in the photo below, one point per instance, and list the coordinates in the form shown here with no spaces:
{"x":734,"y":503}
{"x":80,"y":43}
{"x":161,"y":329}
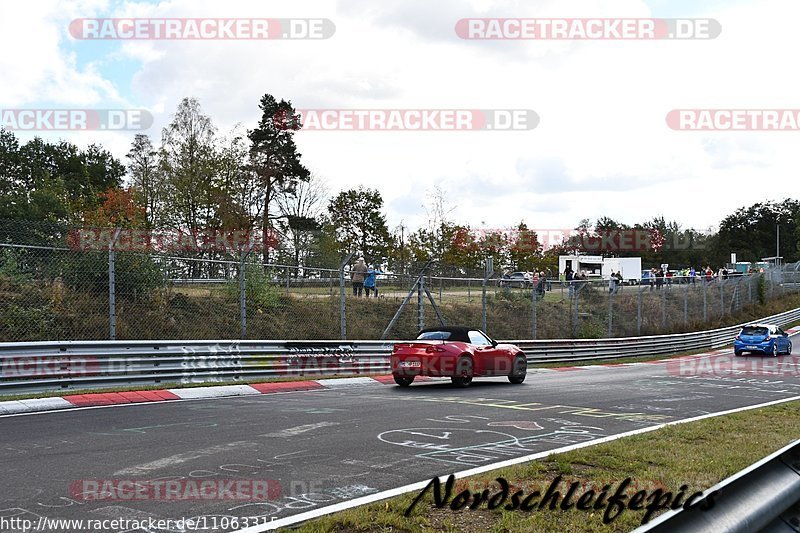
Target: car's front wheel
{"x":789,"y":348}
{"x":404,"y":381}
{"x":518,"y":370}
{"x":463,"y":376}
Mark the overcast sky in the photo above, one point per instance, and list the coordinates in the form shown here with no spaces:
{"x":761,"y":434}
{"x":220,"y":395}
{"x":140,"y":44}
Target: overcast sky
{"x":602,"y":147}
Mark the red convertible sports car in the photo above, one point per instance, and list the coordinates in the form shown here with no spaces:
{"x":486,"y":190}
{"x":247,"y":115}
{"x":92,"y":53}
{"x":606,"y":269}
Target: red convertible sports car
{"x":458,"y":353}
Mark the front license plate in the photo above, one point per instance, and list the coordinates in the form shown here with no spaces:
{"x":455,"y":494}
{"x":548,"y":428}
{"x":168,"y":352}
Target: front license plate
{"x":410,"y":364}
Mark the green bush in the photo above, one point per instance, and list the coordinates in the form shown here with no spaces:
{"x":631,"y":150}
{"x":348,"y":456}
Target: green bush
{"x":260,"y":291}
{"x":135,"y":275}
{"x":10,"y":268}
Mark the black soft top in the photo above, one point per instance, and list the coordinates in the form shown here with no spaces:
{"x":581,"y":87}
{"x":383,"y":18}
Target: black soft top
{"x":457,"y":333}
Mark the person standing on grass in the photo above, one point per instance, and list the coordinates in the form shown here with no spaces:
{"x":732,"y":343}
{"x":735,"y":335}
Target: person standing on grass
{"x":620,"y":280}
{"x":357,"y":275}
{"x":370,"y":282}
{"x":568,"y":276}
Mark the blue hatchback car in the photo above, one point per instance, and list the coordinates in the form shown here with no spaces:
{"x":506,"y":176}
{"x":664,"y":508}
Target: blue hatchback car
{"x":762,"y":338}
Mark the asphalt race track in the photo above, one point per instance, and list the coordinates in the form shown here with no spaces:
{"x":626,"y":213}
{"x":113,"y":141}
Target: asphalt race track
{"x":328,"y":446}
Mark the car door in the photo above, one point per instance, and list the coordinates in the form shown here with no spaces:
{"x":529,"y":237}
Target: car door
{"x":490,"y":359}
{"x":782,"y":339}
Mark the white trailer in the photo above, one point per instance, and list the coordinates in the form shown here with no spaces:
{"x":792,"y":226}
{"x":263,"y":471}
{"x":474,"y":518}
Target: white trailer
{"x":591,"y":264}
{"x":630,"y":267}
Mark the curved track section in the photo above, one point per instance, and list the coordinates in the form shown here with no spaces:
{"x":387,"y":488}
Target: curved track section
{"x":317,"y":448}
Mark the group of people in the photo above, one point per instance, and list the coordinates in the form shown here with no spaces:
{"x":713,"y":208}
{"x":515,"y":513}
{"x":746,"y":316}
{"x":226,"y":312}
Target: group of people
{"x":615,"y":282}
{"x":657,"y":277}
{"x":691,"y":275}
{"x":539,"y":282}
{"x":575,"y":280}
{"x":364,"y":278}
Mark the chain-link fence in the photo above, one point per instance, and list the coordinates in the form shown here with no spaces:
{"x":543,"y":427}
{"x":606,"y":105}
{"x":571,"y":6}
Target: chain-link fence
{"x":52,"y":292}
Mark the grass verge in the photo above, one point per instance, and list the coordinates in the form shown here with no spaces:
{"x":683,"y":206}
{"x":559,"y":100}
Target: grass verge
{"x":684,"y":454}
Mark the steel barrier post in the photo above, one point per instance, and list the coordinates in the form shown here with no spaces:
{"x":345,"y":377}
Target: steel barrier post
{"x":721,"y":298}
{"x":610,"y":313}
{"x":705,"y":301}
{"x":664,"y":308}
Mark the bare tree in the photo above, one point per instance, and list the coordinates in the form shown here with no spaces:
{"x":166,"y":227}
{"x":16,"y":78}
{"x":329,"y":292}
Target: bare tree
{"x":301,"y":207}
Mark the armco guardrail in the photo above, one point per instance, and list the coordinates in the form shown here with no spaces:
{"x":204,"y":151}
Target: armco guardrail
{"x":568,"y":350}
{"x":72,"y":365}
{"x":762,"y":497}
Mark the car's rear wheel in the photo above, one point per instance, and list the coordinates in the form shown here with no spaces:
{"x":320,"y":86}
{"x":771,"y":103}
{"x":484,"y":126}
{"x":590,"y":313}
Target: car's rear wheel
{"x":463,"y":376}
{"x":737,"y":353}
{"x":404,"y":381}
{"x":519,"y":370}
{"x":774,"y":349}
{"x":789,"y":348}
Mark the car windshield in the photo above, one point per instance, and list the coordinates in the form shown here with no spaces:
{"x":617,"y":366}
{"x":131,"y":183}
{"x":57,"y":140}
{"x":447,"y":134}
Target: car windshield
{"x":434,"y":336}
{"x":479,"y":339}
{"x":754,"y":330}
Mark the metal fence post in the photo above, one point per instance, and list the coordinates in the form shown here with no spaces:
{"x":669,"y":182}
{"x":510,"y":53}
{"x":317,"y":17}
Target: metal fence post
{"x":686,"y":305}
{"x":421,"y":304}
{"x":575,"y":314}
{"x":488,"y":270}
{"x":664,"y":308}
{"x":610,"y":313}
{"x":112,"y":293}
{"x":342,"y":306}
{"x":483,"y":304}
{"x":533,"y":306}
{"x":705,"y":301}
{"x":243,"y":297}
{"x":721,"y":298}
{"x":639,"y":311}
